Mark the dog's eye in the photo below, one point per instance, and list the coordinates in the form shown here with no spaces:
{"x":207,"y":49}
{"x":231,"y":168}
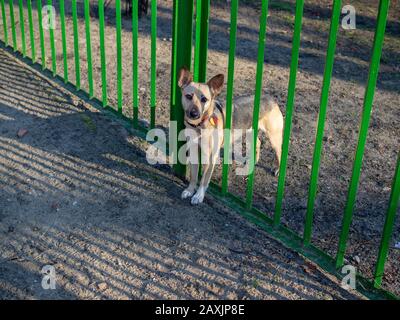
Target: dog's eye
{"x":203,"y":99}
{"x":189,"y":96}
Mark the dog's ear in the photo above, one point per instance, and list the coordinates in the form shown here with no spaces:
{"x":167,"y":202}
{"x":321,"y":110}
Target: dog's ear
{"x":185,"y":77}
{"x":215,"y":84}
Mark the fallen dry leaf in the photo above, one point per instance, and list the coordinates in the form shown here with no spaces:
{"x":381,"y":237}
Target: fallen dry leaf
{"x":22,"y":132}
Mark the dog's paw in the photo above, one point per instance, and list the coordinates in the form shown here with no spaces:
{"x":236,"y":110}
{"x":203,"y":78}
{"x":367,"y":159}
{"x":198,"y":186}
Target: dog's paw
{"x":186,"y":193}
{"x":198,"y":197}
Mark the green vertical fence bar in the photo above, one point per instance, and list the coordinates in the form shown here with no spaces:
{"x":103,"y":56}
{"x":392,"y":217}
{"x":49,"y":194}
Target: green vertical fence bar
{"x":196,"y":60}
{"x":201,"y":68}
{"x":174,"y":67}
{"x":31,"y":31}
{"x":201,"y":45}
{"x":64,"y":40}
{"x":201,"y":40}
{"x":103,"y":55}
{"x":289,"y":109}
{"x":41,"y":34}
{"x":330,"y":56}
{"x":388,"y":228}
{"x":229,"y":95}
{"x":3,"y":14}
{"x":76,"y":46}
{"x":257,"y":99}
{"x":88,"y":47}
{"x":153,"y":72}
{"x":182,"y":54}
{"x":362,"y":138}
{"x":119,"y":53}
{"x":52,"y":43}
{"x":12,"y":20}
{"x":135,"y":69}
{"x":22,"y":27}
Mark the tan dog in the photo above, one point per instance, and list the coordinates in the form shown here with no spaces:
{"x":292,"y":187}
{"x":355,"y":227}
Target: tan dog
{"x":202,"y":111}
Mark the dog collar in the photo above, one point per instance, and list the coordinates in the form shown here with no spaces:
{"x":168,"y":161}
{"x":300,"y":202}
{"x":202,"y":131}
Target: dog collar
{"x":213,"y":119}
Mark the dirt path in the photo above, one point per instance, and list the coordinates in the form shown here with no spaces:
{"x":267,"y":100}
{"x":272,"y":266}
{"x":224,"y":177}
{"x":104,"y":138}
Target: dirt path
{"x":343,"y":116}
{"x":77,"y":194}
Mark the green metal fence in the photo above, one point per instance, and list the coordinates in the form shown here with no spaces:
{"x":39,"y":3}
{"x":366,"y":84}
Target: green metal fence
{"x":182,"y":26}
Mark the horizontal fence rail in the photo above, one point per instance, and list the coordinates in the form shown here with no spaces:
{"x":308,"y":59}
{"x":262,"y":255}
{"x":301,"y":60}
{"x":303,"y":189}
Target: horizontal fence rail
{"x":183,"y":14}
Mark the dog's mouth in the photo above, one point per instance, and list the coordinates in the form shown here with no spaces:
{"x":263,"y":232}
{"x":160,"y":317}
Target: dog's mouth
{"x":193,"y":122}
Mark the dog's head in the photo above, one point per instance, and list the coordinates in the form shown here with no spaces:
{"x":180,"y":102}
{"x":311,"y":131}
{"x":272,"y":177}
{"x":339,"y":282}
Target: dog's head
{"x":197,"y":98}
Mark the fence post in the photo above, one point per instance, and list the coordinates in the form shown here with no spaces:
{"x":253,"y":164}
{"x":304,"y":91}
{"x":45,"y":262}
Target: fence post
{"x":362,"y":136}
{"x":229,"y":95}
{"x":388,"y":227}
{"x":257,"y":100}
{"x":289,"y":109}
{"x":181,"y":56}
{"x":200,"y":55}
{"x":316,"y":162}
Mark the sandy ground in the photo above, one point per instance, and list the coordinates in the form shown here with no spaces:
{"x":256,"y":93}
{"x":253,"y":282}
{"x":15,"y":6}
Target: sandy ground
{"x":343,"y":118}
{"x":77,"y":194}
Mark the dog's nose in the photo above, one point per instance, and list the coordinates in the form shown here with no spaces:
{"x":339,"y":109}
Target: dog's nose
{"x":194,"y":113}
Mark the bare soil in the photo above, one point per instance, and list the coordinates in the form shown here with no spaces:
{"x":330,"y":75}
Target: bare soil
{"x":344,"y":111}
{"x":76,"y":193}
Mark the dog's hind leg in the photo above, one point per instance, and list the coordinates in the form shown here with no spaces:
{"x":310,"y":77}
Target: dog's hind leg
{"x":272,"y":124}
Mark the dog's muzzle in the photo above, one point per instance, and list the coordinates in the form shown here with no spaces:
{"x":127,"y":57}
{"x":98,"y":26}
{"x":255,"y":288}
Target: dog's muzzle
{"x":194,"y":114}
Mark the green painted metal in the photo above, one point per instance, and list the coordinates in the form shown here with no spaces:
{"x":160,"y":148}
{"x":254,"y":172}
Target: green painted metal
{"x":229,"y":95}
{"x":22,"y":26}
{"x":12,"y":18}
{"x":174,"y":86}
{"x":201,"y":41}
{"x":182,"y":52}
{"x":76,"y":46}
{"x":3,"y":15}
{"x":284,"y":235}
{"x":362,"y":138}
{"x":135,"y":67}
{"x":103,"y":55}
{"x":181,"y":56}
{"x":174,"y":67}
{"x":196,"y":58}
{"x":153,"y":71}
{"x":88,"y":47}
{"x":52,"y":43}
{"x":257,"y":99}
{"x":388,"y":227}
{"x":64,"y":40}
{"x":289,"y":110}
{"x":41,"y":34}
{"x":119,"y":53}
{"x":197,"y":45}
{"x":201,"y":68}
{"x":201,"y":46}
{"x":330,"y":57}
{"x":31,"y":31}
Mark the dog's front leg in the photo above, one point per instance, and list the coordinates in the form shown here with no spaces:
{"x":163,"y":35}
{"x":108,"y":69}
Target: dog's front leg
{"x":205,"y":180}
{"x":194,"y":173}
